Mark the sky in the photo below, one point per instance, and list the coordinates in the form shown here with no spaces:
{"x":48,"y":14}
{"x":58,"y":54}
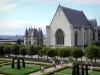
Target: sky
{"x":17,"y":15}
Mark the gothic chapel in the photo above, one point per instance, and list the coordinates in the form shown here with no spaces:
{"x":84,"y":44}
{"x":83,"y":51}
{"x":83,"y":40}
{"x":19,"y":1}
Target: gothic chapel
{"x":70,"y":27}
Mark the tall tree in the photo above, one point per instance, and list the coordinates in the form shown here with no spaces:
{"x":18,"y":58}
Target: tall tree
{"x":15,"y":49}
{"x":64,"y":52}
{"x":77,"y":53}
{"x":18,"y":41}
{"x":41,"y":53}
{"x":91,"y":52}
{"x":31,"y":50}
{"x":2,"y":50}
{"x":7,"y":50}
{"x":22,"y":51}
{"x":51,"y":52}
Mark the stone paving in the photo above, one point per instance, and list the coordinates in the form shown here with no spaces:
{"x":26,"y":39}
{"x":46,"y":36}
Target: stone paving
{"x":46,"y":70}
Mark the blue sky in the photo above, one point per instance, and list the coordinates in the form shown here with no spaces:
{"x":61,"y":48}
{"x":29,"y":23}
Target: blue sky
{"x":16,"y":15}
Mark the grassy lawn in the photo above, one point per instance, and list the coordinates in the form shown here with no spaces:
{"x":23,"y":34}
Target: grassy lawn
{"x":69,"y":72}
{"x":4,"y":61}
{"x":29,"y":68}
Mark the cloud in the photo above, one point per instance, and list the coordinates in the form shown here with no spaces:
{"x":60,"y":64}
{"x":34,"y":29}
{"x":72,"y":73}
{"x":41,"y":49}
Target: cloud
{"x":86,"y":1}
{"x":13,"y":27}
{"x":62,"y":1}
{"x":6,"y":4}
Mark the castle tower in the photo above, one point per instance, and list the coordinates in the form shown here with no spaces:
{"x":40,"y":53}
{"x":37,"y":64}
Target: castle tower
{"x":33,"y":37}
{"x":26,"y":37}
{"x":40,"y":37}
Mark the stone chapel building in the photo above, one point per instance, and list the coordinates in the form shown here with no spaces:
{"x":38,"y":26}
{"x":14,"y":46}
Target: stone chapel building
{"x":70,"y":27}
{"x":33,"y":36}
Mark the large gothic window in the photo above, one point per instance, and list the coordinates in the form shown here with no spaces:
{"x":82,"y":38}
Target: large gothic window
{"x":59,"y":36}
{"x":76,"y":38}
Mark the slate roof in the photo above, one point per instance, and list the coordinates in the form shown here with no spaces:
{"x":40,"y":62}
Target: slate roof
{"x":26,"y":33}
{"x":93,"y":22}
{"x":34,"y":32}
{"x":75,"y":17}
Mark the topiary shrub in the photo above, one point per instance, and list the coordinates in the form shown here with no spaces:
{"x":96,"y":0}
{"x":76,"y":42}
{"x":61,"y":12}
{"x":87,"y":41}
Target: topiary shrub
{"x":77,"y":70}
{"x":82,"y":69}
{"x":18,"y":63}
{"x":73,"y":71}
{"x":86,"y":69}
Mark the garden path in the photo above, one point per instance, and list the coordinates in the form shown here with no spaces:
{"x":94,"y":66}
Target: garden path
{"x":46,"y":70}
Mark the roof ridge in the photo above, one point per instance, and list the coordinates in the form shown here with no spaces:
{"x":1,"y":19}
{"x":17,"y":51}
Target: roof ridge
{"x":71,"y":8}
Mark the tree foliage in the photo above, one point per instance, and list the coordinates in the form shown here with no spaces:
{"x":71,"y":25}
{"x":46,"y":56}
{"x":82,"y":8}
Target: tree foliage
{"x":51,"y":52}
{"x":64,"y":52}
{"x":41,"y":53}
{"x":92,"y":51}
{"x":15,"y":49}
{"x":77,"y":52}
{"x":31,"y":50}
{"x":22,"y":51}
{"x":7,"y":49}
{"x":2,"y":50}
{"x":18,"y":41}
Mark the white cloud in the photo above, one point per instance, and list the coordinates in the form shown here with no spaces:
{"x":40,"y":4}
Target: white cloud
{"x":62,"y":1}
{"x":12,"y":27}
{"x":6,"y":4}
{"x":86,"y":1}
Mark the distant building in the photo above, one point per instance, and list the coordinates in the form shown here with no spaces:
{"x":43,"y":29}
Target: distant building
{"x":10,"y":41}
{"x":33,"y":36}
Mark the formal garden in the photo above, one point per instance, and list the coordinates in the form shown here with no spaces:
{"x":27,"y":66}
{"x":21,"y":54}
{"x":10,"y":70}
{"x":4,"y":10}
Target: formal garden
{"x":18,"y":64}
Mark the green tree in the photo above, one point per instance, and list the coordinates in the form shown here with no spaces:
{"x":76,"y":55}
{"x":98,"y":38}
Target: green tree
{"x":41,"y":53}
{"x":56,"y":50}
{"x":31,"y":50}
{"x":51,"y":52}
{"x":95,"y":52}
{"x":22,"y":51}
{"x":2,"y":50}
{"x":91,"y":52}
{"x":18,"y":41}
{"x":37,"y":48}
{"x":64,"y":52}
{"x":7,"y":50}
{"x":15,"y":49}
{"x":45,"y":50}
{"x":97,"y":43}
{"x":77,"y":53}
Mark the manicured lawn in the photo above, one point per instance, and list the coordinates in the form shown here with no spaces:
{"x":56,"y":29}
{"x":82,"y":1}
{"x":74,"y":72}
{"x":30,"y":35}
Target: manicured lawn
{"x":29,"y":68}
{"x":69,"y":72}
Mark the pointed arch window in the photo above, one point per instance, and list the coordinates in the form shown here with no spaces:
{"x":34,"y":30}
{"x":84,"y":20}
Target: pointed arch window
{"x":59,"y":37}
{"x":76,"y":38}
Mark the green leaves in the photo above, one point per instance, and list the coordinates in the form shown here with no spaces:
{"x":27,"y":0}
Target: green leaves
{"x":23,"y":51}
{"x":77,"y":52}
{"x":15,"y":49}
{"x":64,"y":52}
{"x":51,"y":52}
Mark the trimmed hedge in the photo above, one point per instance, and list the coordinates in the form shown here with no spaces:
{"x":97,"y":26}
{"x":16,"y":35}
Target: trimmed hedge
{"x":65,"y":67}
{"x":96,"y":69}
